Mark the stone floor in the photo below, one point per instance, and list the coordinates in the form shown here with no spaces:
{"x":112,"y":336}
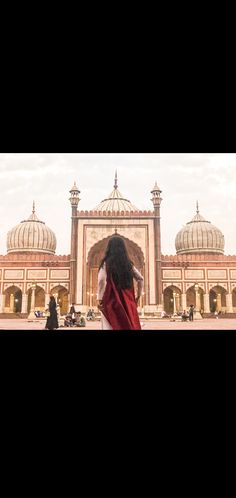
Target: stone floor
{"x":204,"y":324}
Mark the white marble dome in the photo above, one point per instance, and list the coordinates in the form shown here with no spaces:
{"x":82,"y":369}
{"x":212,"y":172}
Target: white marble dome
{"x":31,"y":235}
{"x":199,"y":236}
{"x":115,"y":201}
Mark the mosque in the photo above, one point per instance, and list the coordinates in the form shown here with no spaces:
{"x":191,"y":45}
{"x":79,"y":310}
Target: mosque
{"x":199,"y":273}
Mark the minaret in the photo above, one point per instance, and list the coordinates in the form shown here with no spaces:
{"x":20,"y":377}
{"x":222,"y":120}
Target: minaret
{"x":74,"y":200}
{"x":156,"y":199}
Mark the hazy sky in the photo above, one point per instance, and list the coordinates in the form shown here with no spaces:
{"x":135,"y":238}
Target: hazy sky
{"x":183,"y":179}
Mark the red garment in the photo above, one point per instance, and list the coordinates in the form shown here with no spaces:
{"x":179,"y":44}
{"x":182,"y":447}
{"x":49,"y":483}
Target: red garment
{"x":119,"y":307}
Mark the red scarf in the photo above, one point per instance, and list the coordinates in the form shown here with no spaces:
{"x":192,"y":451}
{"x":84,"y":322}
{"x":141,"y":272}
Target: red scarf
{"x":119,"y":307}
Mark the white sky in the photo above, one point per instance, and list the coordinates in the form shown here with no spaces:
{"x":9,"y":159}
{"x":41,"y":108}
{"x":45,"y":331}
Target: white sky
{"x":183,"y":179}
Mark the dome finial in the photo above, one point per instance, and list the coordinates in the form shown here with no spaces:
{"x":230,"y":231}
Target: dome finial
{"x":33,"y":211}
{"x":115,"y":184}
{"x":197,"y":208}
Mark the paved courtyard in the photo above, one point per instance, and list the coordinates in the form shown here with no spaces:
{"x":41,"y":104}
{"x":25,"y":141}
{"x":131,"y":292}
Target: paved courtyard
{"x":204,"y":324}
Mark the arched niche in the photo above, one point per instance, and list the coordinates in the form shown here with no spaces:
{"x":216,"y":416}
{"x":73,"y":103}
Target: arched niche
{"x":61,"y":295}
{"x":169,"y":299}
{"x":217,"y":298}
{"x":40,"y":304}
{"x":191,"y":297}
{"x":13,"y":299}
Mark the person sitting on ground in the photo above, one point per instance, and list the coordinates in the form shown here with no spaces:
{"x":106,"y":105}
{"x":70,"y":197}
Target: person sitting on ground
{"x":89,"y":314}
{"x":80,"y":321}
{"x":184,"y":316}
{"x":164,"y":314}
{"x":68,"y":321}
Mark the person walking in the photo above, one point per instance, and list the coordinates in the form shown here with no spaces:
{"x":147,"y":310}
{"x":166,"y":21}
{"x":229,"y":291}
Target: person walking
{"x":191,"y":309}
{"x":116,"y":298}
{"x":52,"y":320}
{"x":72,"y":312}
{"x":72,"y":309}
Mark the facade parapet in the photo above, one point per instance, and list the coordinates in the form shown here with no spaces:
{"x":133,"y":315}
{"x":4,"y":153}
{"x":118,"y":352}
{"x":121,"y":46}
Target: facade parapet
{"x":34,"y":259}
{"x":112,"y":214}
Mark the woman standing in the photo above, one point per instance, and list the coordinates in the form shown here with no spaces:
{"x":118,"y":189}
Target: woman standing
{"x":52,"y":320}
{"x":117,"y":301}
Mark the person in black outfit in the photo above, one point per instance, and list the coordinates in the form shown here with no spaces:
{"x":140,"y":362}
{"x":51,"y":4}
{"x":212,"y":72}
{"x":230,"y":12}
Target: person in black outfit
{"x":184,"y":316}
{"x":72,"y":309}
{"x":191,"y":312}
{"x":52,"y":320}
{"x":72,"y":313}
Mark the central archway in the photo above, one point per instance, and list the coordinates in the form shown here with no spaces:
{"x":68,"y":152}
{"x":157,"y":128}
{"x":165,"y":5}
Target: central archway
{"x":95,"y":256}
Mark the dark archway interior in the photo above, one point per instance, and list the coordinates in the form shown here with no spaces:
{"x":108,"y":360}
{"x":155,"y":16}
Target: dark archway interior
{"x":95,"y":256}
{"x":234,"y":298}
{"x":213,"y":297}
{"x":191,"y":297}
{"x":16,"y":300}
{"x":39,"y":299}
{"x":61,"y":294}
{"x":169,"y":300}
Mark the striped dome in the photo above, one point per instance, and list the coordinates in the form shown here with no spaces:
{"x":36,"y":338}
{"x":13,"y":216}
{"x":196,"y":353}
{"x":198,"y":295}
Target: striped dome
{"x":31,"y":235}
{"x":199,"y":236}
{"x":115,"y":201}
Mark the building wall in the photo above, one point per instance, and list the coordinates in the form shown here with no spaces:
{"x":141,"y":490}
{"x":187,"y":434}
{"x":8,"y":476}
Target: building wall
{"x":139,"y":231}
{"x":21,"y":271}
{"x":210,"y":274}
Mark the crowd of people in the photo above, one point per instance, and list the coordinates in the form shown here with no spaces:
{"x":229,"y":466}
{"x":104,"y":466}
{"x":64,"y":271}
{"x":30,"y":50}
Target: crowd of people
{"x":72,"y":319}
{"x":76,"y":319}
{"x":185,"y":315}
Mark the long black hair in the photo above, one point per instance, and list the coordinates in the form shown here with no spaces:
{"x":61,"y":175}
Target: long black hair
{"x":118,"y":264}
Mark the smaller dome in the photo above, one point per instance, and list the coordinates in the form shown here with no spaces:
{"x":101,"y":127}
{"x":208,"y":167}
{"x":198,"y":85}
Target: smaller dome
{"x":199,"y":236}
{"x":31,"y":235}
{"x":115,"y":201}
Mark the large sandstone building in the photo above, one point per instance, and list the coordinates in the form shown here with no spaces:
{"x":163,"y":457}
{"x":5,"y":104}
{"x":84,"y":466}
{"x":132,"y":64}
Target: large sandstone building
{"x":198,"y":274}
